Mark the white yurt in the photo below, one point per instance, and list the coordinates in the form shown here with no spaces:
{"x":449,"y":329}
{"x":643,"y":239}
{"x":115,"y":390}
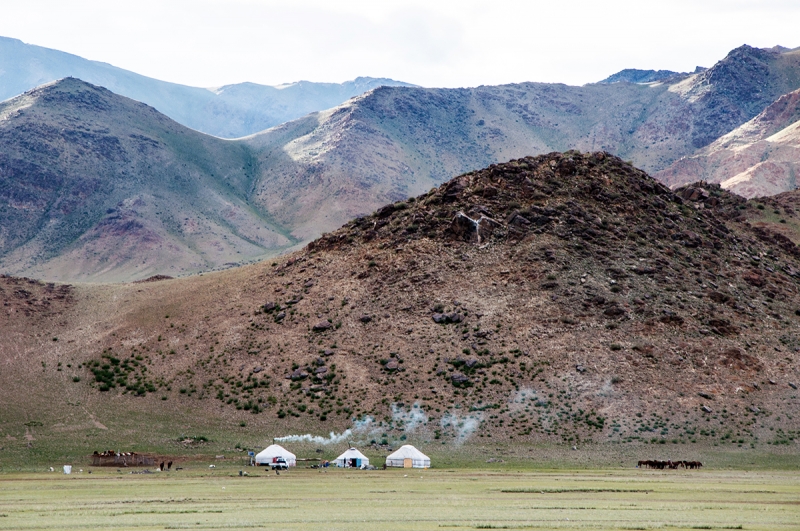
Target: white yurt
{"x":271,"y":453}
{"x":352,"y":458}
{"x":408,"y":457}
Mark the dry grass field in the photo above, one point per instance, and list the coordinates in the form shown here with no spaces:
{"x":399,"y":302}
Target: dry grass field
{"x":202,"y":498}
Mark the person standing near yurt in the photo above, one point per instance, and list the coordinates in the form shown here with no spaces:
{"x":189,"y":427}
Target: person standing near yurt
{"x":352,"y":458}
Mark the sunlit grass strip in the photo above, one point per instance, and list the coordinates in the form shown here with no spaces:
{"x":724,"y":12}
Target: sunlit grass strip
{"x":559,"y":491}
{"x":705,"y":526}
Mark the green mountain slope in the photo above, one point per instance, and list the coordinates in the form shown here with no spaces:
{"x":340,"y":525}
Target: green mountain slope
{"x":97,"y":186}
{"x":109,"y":189}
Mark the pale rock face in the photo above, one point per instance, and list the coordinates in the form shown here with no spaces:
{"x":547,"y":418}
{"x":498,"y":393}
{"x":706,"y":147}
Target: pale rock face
{"x":759,"y":158}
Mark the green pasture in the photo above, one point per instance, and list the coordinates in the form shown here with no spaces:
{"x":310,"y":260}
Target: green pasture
{"x":202,"y":498}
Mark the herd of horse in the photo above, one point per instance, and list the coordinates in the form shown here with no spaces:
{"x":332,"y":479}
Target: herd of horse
{"x":672,"y":465}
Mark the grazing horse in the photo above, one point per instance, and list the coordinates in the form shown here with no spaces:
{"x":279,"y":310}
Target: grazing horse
{"x":670,"y":464}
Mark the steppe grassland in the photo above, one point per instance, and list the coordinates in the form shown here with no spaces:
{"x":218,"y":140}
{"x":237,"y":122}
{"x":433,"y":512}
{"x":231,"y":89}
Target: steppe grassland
{"x":402,"y":500}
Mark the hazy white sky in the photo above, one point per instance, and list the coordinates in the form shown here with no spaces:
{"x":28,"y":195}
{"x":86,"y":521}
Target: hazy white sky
{"x":431,"y":43}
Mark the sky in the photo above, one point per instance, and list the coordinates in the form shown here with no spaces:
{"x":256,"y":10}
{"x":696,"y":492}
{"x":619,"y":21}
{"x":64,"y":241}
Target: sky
{"x":431,"y":43}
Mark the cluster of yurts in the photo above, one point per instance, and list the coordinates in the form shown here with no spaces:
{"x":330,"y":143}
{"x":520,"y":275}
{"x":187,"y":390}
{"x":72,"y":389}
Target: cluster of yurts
{"x":405,"y":457}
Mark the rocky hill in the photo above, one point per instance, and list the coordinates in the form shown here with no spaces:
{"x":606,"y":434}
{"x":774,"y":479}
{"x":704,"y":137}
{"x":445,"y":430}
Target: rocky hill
{"x":562,"y":299}
{"x":759,"y":158}
{"x":96,"y":186}
{"x":229,"y":112}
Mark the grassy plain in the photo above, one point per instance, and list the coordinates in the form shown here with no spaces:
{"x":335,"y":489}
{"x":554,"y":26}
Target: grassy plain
{"x":203,"y":498}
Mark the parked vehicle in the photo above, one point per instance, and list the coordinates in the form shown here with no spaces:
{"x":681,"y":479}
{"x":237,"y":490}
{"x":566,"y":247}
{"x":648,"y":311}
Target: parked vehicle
{"x":279,"y":464}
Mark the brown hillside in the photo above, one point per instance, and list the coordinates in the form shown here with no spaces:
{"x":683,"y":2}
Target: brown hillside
{"x":559,"y":298}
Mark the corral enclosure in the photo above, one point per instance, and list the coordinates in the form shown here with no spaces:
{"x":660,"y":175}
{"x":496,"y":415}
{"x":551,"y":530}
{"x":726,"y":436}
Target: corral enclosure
{"x":124,"y":459}
{"x":402,"y":500}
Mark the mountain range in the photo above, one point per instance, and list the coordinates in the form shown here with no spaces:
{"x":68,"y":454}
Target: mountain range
{"x":229,"y":111}
{"x":99,"y":187}
{"x":394,"y":142}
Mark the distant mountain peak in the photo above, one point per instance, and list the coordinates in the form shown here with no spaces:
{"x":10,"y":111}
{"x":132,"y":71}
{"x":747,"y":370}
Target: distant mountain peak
{"x":734,"y":59}
{"x":634,"y":75}
{"x":782,"y":49}
{"x":68,"y":83}
{"x":228,"y":111}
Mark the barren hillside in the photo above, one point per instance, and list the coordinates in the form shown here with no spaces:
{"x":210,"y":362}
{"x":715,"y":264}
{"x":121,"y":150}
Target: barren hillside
{"x":558,"y":299}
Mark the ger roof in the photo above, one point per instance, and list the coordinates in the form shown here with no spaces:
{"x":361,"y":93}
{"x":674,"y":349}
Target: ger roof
{"x":352,"y":453}
{"x":276,"y":450}
{"x":407,"y":451}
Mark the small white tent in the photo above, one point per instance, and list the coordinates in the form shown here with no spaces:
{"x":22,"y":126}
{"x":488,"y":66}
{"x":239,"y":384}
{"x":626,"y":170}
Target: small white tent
{"x":408,"y":457}
{"x":352,"y":458}
{"x":271,"y":453}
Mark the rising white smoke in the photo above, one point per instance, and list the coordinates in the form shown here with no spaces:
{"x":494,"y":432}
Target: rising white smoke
{"x":333,"y":438}
{"x":359,"y":427}
{"x":463,"y":426}
{"x":411,"y":420}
